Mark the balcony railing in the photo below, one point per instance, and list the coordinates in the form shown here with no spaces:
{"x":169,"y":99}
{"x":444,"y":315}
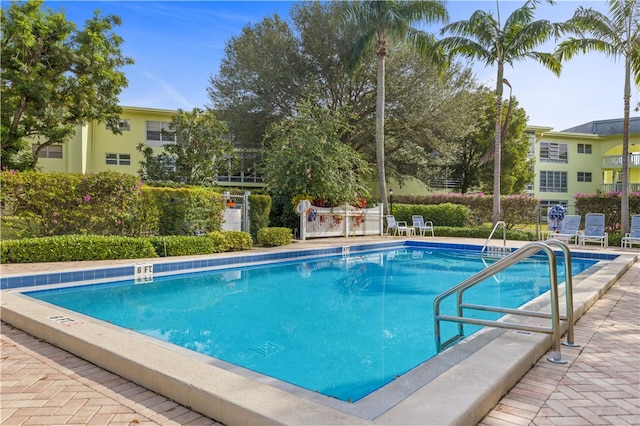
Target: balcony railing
{"x":617,"y":187}
{"x":615,"y":161}
{"x":240,"y":180}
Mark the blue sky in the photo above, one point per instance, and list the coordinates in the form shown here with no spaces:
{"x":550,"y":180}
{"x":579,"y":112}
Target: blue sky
{"x":177,"y":46}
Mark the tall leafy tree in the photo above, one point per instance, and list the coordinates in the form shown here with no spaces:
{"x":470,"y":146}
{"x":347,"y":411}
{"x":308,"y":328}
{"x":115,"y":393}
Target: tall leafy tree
{"x":483,"y":37}
{"x":378,"y":22}
{"x":465,"y":156}
{"x":201,"y":149}
{"x":308,"y":158}
{"x":617,"y":36}
{"x":55,"y":77}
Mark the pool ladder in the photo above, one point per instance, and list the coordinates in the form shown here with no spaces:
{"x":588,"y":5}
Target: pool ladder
{"x":515,"y":257}
{"x":497,"y":251}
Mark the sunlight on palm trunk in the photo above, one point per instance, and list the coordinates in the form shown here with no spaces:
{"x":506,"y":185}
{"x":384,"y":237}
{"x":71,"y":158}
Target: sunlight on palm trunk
{"x":481,"y":37}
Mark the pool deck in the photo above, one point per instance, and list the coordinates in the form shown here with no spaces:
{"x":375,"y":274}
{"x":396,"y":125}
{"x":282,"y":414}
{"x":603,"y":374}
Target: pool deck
{"x":600,"y":384}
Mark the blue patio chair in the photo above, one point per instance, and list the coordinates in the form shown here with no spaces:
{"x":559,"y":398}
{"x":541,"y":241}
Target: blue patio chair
{"x":632,"y":237}
{"x":568,"y":230}
{"x":594,"y":230}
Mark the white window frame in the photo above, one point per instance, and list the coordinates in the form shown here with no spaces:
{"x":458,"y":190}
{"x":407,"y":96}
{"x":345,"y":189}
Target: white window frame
{"x":113,"y":159}
{"x":50,"y":151}
{"x":553,"y":181}
{"x":552,"y":152}
{"x":585,"y":177}
{"x":158,"y":128}
{"x":585,"y":148}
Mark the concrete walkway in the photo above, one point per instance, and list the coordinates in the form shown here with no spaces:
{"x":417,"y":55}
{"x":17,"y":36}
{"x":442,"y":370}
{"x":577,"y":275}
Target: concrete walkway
{"x":44,"y":385}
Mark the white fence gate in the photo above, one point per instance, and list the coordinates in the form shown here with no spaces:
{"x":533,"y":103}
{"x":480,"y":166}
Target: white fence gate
{"x":344,"y":221}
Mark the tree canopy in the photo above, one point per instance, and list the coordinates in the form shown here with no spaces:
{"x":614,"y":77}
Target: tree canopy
{"x":55,"y":77}
{"x":426,"y":107}
{"x":484,"y":37}
{"x":201,"y":149}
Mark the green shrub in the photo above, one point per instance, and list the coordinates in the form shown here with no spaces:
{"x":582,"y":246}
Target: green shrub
{"x":259,"y":212}
{"x":238,"y":240}
{"x":182,"y":245}
{"x":483,"y":232}
{"x":518,"y":210}
{"x":219,"y":240}
{"x":74,"y":247}
{"x":185,"y":211}
{"x":608,"y":204}
{"x":104,"y":203}
{"x":446,"y":214}
{"x":272,"y":237}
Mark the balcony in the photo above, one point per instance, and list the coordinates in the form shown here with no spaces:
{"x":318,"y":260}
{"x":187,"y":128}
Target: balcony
{"x":617,"y":187}
{"x":615,"y":161}
{"x":241,"y":179}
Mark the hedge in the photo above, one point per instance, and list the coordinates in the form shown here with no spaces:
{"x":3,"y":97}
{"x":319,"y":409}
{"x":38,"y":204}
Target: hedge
{"x":608,"y":204}
{"x":259,"y":212}
{"x":516,"y":209}
{"x":74,"y":247}
{"x":272,"y":237}
{"x":446,"y":214}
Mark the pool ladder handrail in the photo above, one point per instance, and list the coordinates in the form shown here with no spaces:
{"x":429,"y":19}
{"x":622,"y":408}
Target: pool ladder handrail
{"x":520,"y":254}
{"x":493,"y":231}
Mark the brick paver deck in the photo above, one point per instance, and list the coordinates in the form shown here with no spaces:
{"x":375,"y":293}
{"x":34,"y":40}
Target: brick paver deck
{"x":45,"y":385}
{"x":600,"y":384}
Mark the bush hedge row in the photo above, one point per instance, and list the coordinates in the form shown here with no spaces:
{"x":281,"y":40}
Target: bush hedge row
{"x":446,"y":214}
{"x":609,"y":204}
{"x":516,"y":209}
{"x":97,"y":247}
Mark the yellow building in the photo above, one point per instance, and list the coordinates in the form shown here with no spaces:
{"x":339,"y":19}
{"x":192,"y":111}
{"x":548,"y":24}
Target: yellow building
{"x":583,"y":159}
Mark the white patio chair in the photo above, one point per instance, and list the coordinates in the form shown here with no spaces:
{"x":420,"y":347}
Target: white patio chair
{"x":421,"y":226}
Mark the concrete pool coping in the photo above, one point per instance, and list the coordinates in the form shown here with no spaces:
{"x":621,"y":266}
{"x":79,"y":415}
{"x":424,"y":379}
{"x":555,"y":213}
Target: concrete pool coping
{"x":472,"y":387}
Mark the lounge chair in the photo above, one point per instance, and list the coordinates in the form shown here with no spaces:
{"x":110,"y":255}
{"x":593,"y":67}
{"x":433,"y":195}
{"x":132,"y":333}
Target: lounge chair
{"x":398,"y":227}
{"x":632,"y":237}
{"x":594,"y":230}
{"x":421,"y":226}
{"x":568,"y":230}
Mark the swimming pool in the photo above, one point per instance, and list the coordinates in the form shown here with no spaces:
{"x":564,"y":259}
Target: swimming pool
{"x":457,"y":386}
{"x":342,"y":326}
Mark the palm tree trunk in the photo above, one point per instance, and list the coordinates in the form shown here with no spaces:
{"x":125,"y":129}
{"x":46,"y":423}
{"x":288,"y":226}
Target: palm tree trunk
{"x":497,"y":156}
{"x":382,"y":180}
{"x":624,"y":195}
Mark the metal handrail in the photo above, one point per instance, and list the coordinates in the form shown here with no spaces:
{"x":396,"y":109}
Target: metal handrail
{"x":495,"y":227}
{"x":522,"y":253}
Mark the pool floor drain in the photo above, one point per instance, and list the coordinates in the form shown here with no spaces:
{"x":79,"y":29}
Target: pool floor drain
{"x":267,"y":349}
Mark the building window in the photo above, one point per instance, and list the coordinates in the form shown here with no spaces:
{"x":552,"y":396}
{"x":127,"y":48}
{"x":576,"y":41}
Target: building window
{"x":50,"y":151}
{"x":584,"y":176}
{"x":553,"y":152}
{"x":532,"y":145}
{"x":584,"y":148}
{"x":158,"y":133}
{"x":123,"y":125}
{"x":553,"y":181}
{"x":119,"y":159}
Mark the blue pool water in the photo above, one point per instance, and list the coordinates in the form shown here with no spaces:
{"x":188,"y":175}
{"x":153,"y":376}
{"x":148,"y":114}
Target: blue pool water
{"x":341,"y":326}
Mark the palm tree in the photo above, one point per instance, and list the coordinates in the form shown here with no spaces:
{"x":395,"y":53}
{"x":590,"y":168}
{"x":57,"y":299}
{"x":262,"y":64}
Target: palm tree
{"x":381,"y":22}
{"x":616,"y":35}
{"x":482,"y":37}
